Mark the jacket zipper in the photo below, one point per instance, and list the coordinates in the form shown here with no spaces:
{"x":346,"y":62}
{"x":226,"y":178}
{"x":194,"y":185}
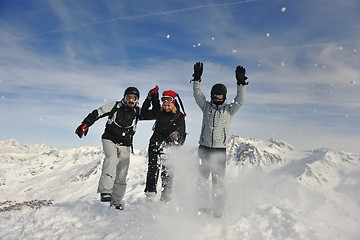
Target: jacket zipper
{"x":212,"y":134}
{"x":224,"y":136}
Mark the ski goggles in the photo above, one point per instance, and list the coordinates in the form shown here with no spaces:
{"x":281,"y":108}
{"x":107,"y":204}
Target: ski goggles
{"x":218,"y":97}
{"x":131,"y":98}
{"x":167,"y":99}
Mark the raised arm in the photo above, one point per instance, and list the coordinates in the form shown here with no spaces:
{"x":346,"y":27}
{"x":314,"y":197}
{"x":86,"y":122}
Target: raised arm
{"x":151,"y":99}
{"x":198,"y":94}
{"x":241,"y":89}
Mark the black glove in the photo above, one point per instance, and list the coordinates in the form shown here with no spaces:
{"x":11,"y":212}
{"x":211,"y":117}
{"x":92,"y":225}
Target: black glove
{"x":240,"y":75}
{"x":82,"y":130}
{"x":198,"y":70}
{"x":153,"y":93}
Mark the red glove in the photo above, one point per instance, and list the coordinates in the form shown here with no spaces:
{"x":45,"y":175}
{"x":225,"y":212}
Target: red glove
{"x":155,"y":90}
{"x":153,"y":93}
{"x":82,"y":130}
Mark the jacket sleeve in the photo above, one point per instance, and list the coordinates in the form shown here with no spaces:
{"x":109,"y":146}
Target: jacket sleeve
{"x":99,"y":113}
{"x":182,"y":129}
{"x":146,"y":112}
{"x":238,"y":100}
{"x":198,"y":95}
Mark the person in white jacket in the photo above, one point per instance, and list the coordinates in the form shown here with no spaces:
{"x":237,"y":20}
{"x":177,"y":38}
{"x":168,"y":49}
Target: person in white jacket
{"x":217,"y":115}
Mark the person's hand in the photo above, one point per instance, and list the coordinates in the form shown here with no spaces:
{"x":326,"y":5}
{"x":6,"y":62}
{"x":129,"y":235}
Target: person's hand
{"x":240,"y":75}
{"x":198,"y":70}
{"x":153,"y":93}
{"x":82,"y":130}
{"x":174,"y":137}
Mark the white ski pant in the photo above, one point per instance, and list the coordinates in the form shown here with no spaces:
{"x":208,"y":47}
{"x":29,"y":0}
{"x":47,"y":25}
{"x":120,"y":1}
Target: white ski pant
{"x":114,"y":171}
{"x":212,"y":163}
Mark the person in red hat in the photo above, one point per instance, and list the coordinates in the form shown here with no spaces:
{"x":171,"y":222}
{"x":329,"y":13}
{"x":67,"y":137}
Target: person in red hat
{"x":169,"y":130}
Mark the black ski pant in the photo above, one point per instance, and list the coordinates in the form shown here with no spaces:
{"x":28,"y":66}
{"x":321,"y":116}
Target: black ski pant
{"x":155,"y":162}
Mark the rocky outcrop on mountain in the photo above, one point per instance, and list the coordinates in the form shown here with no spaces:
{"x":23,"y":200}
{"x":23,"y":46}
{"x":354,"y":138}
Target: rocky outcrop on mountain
{"x":257,"y":152}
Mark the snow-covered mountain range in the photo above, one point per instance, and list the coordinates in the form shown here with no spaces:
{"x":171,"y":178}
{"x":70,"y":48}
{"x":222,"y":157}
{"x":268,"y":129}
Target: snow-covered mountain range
{"x":274,"y":191}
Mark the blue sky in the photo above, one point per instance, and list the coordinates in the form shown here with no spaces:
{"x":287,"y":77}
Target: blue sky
{"x":59,"y":60}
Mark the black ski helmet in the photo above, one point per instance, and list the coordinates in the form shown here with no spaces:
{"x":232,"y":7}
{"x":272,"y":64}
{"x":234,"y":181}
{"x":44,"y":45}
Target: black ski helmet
{"x":132,"y":90}
{"x":218,"y":89}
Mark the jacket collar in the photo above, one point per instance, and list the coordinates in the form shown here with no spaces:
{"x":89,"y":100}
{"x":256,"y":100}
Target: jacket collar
{"x":219,"y":106}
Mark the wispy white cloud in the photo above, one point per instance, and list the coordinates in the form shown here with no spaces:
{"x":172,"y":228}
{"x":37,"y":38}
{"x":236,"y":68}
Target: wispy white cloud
{"x":66,"y":14}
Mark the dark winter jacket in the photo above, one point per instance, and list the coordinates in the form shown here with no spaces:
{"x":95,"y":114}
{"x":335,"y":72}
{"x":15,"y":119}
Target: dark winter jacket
{"x":122,"y":120}
{"x":165,"y":124}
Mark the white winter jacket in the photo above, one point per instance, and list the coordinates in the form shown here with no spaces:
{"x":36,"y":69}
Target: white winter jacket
{"x":216,"y":119}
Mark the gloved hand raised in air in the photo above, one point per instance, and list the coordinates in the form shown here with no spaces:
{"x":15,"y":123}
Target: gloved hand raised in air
{"x":240,"y":75}
{"x":153,"y":93}
{"x":82,"y":130}
{"x":198,"y":70}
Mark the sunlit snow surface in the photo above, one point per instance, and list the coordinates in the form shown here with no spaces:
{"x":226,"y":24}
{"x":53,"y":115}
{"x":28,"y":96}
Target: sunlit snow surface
{"x":273,"y":192}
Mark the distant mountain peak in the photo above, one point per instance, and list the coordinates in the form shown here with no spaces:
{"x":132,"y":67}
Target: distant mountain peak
{"x":13,"y":146}
{"x":257,"y":152}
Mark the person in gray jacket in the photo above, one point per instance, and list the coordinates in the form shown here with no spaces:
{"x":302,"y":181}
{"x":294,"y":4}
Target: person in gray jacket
{"x":214,"y":135}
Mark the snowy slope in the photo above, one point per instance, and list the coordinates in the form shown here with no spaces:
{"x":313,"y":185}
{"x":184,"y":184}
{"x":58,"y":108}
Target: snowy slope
{"x":273,"y":192}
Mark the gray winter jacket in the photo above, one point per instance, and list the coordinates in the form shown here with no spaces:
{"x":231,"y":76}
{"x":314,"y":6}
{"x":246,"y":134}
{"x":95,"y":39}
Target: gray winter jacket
{"x":216,"y":119}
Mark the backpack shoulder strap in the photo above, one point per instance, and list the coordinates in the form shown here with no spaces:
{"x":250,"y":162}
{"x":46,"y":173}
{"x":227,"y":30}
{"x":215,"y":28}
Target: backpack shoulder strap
{"x":113,"y":110}
{"x":137,"y":113}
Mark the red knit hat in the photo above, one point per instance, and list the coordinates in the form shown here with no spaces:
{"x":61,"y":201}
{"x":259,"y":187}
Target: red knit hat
{"x":169,"y":96}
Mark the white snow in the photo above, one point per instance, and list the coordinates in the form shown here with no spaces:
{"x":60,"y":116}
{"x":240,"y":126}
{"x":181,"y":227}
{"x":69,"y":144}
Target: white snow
{"x":273,"y":192}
